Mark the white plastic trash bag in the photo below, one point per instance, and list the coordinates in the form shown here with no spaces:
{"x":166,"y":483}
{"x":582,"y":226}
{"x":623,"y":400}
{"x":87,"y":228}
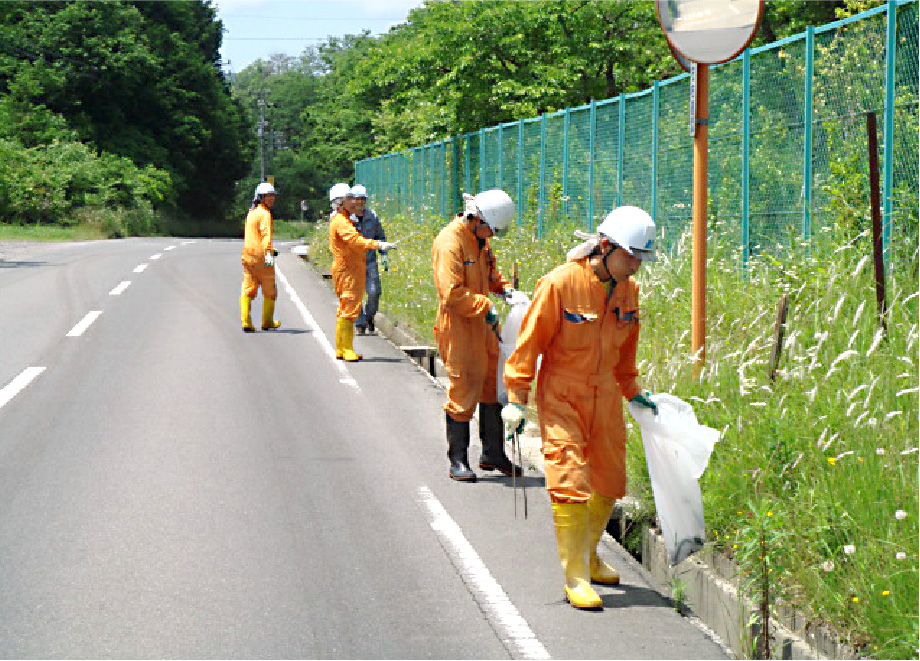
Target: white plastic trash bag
{"x":677,"y":449}
{"x":510,"y":330}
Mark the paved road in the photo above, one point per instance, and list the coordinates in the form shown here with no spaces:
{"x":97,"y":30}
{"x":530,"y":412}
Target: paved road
{"x":171,"y":487}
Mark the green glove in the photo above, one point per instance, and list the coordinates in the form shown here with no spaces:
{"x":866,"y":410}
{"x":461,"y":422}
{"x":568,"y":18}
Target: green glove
{"x":643,"y":399}
{"x":385,"y":261}
{"x":491,"y":317}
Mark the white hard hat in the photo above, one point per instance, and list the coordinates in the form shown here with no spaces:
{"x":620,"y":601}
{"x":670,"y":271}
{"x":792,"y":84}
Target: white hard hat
{"x":495,"y":208}
{"x":339,"y":191}
{"x":265,"y":188}
{"x":633,"y":230}
{"x":358,"y":191}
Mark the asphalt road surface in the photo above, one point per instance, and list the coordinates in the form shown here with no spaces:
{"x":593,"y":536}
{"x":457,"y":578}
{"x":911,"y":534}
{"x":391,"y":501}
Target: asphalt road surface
{"x":172,"y":487}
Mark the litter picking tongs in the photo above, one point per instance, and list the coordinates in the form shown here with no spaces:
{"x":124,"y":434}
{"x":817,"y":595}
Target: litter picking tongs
{"x":517,"y":459}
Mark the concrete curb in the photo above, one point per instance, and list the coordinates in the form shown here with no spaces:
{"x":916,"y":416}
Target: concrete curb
{"x":709,"y":581}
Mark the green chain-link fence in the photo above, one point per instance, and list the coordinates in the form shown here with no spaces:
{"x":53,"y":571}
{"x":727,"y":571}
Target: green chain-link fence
{"x":788,"y":149}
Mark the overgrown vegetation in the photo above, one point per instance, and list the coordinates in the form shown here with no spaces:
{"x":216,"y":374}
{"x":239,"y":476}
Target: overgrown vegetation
{"x":116,"y":113}
{"x":813,"y":488}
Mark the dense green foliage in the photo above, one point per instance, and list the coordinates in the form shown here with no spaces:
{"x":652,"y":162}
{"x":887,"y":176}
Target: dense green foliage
{"x":116,"y":105}
{"x":451,"y":68}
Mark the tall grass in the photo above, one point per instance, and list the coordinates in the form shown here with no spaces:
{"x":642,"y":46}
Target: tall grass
{"x":826,"y":454}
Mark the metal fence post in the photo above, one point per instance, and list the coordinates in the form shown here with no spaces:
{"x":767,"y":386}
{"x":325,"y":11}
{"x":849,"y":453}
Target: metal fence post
{"x":655,"y":102}
{"x":482,"y":160}
{"x":542,"y":199}
{"x":565,"y":162}
{"x":621,"y":142}
{"x":591,"y":130}
{"x":466,"y":170}
{"x":520,"y":169}
{"x":808,"y":118}
{"x":891,"y":33}
{"x":745,"y":160}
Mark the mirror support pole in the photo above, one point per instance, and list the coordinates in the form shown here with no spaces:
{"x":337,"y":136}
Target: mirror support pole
{"x":700,"y":204}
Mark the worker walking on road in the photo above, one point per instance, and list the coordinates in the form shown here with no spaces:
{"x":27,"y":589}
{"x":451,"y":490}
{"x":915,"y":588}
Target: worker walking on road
{"x":466,"y":328}
{"x":584,"y":321}
{"x":348,"y":268}
{"x":259,"y":260}
{"x":369,"y":226}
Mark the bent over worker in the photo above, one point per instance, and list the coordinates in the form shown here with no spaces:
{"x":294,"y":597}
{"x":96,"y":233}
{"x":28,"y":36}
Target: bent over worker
{"x":348,"y":265}
{"x":259,"y":260}
{"x":466,"y":329}
{"x":370,"y":227}
{"x":584,"y":321}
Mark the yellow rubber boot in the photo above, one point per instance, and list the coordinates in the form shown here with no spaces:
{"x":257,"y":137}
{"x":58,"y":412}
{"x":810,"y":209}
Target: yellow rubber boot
{"x":573,"y":537}
{"x":599,"y":511}
{"x":268,"y":314}
{"x":348,"y":338}
{"x":245,"y":304}
{"x":338,"y":337}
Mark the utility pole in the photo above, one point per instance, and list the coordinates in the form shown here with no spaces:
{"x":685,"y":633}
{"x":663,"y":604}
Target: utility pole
{"x":261,"y":103}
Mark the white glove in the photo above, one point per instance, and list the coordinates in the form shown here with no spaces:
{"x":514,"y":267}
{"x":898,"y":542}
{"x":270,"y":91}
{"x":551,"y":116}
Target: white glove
{"x":516,"y":297}
{"x":383,"y":246}
{"x":269,"y":258}
{"x":513,"y":416}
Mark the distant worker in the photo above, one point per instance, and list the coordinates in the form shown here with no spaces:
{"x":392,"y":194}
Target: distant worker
{"x":259,"y":260}
{"x":348,"y":268}
{"x":337,"y":195}
{"x":466,"y":329}
{"x":368,"y":224}
{"x":584,"y":321}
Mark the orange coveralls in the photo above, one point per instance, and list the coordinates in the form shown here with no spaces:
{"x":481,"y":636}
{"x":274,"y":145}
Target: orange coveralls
{"x":588,"y":343}
{"x":349,"y":251}
{"x":464,"y":274}
{"x":257,"y":240}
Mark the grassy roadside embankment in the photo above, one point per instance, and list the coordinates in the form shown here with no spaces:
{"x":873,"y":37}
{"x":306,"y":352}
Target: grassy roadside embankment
{"x":813,"y":488}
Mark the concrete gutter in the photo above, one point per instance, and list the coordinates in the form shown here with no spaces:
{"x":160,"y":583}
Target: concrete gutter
{"x":708,"y":581}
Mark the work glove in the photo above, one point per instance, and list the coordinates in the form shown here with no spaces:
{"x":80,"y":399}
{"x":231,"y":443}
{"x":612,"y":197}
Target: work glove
{"x":491,"y":317}
{"x":643,"y":399}
{"x":385,"y":260}
{"x":269,"y":258}
{"x":383,"y":246}
{"x":514,"y":417}
{"x":516,"y":297}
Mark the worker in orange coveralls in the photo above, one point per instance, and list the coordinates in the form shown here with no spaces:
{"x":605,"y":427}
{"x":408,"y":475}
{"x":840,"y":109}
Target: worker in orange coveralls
{"x":348,"y":265}
{"x":259,"y":260}
{"x":584,"y":322}
{"x":466,"y":329}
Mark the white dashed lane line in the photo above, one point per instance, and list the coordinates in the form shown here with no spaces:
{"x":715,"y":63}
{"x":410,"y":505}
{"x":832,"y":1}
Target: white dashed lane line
{"x":124,"y":284}
{"x":78,"y":330}
{"x":14,"y":387}
{"x":140,"y":268}
{"x":508,"y":623}
{"x":157,"y":256}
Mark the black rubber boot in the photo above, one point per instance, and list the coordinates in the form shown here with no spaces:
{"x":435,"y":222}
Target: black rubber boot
{"x":492,"y":434}
{"x":458,"y":441}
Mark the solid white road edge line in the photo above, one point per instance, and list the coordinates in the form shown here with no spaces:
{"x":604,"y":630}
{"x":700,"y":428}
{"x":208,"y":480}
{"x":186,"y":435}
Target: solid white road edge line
{"x":124,"y":284}
{"x":13,"y":388}
{"x":487,"y":592}
{"x":140,"y":268}
{"x":329,"y":350}
{"x":84,"y":323}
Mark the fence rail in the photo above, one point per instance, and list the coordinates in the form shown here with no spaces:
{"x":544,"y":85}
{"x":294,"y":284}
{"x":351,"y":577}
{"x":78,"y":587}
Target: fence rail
{"x":788,"y":152}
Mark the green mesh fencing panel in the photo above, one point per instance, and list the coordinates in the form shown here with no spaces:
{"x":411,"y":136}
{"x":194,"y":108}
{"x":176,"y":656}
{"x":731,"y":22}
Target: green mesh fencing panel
{"x":675,"y":163}
{"x":606,"y":160}
{"x":905,"y":189}
{"x":576,"y":190}
{"x":805,"y":130}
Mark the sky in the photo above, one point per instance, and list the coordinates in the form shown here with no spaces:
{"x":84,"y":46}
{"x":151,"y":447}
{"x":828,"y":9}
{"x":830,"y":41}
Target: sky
{"x":256,"y":29}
